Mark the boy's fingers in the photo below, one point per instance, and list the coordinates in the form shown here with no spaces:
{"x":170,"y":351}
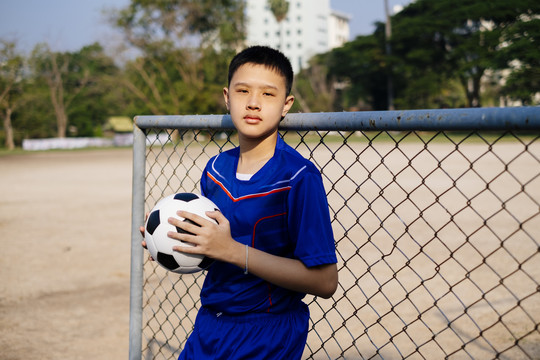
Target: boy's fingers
{"x":193,"y":218}
{"x":216,"y":215}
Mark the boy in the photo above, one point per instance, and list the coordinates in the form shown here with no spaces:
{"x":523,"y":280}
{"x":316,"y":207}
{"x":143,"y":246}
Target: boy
{"x":273,"y":242}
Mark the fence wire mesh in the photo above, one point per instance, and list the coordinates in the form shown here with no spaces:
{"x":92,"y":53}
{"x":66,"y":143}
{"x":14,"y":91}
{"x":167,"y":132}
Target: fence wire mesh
{"x":437,"y":235}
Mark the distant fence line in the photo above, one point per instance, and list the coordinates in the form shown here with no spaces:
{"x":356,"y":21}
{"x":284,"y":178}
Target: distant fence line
{"x":83,"y":142}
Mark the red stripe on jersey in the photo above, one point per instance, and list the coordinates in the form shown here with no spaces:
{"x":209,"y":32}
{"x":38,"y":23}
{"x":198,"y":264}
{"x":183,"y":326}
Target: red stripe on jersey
{"x":250,"y":196}
{"x":257,"y":223}
{"x":253,"y":246}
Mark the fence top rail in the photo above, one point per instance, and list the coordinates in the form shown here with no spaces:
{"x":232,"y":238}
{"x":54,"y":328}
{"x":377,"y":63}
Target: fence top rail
{"x":511,"y":118}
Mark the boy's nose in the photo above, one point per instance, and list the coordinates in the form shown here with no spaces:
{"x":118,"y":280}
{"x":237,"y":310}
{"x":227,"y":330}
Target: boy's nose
{"x":253,"y":103}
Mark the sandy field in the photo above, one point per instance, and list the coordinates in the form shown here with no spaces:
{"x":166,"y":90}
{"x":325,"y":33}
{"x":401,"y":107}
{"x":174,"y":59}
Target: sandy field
{"x":65,"y":225}
{"x":65,"y":221}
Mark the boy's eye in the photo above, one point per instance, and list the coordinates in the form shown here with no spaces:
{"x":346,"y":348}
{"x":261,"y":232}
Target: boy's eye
{"x":268,"y":94}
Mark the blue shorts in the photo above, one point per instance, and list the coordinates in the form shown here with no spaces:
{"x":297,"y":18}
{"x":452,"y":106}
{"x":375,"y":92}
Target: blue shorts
{"x":249,"y":336}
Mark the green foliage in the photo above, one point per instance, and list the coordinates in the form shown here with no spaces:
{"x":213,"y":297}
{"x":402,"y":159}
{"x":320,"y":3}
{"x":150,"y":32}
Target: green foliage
{"x":445,"y":53}
{"x":186,"y":46}
{"x":459,"y":39}
{"x":36,"y":119}
{"x":360,"y":63}
{"x":279,"y":8}
{"x":178,"y":81}
{"x":521,"y":53}
{"x":85,"y":113}
{"x":75,"y":80}
{"x":145,"y":23}
{"x":314,"y":88}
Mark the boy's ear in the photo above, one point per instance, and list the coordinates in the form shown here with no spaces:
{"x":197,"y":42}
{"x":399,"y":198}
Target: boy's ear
{"x":226,"y":96}
{"x":289,"y":101}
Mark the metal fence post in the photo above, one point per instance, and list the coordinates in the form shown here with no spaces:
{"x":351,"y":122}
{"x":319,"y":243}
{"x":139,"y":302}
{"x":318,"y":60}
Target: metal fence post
{"x":136,"y":277}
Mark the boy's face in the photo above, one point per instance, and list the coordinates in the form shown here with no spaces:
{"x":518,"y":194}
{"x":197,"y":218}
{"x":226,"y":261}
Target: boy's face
{"x":256,"y":99}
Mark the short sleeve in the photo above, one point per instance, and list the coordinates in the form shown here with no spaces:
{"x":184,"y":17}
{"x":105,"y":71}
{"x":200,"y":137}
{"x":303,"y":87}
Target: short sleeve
{"x":309,"y":220}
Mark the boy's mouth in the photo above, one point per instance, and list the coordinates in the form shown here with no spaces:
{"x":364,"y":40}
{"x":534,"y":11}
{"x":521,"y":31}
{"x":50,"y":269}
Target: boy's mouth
{"x":252,"y":119}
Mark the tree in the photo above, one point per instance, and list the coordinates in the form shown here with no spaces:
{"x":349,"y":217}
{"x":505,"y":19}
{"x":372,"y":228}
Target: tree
{"x":184,"y":48}
{"x":81,"y":85}
{"x":59,"y":73}
{"x":445,"y":53}
{"x":101,"y":97}
{"x":318,"y":93}
{"x":463,"y":43}
{"x":11,"y":68}
{"x":279,"y":9}
{"x":388,"y":49}
{"x":362,"y":64}
{"x":182,"y":23}
{"x":521,"y":54}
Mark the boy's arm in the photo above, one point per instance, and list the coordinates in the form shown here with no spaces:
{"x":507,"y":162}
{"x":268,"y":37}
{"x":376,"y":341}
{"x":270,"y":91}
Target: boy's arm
{"x":216,"y":242}
{"x":291,"y":274}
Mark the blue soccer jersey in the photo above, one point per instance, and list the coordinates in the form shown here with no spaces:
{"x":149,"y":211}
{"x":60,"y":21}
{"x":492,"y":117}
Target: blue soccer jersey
{"x":281,"y":210}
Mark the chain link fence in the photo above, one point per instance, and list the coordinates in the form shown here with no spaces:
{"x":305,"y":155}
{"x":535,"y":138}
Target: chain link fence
{"x":436,"y":222}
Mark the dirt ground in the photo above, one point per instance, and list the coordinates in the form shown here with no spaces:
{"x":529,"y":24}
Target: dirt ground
{"x":65,"y":225}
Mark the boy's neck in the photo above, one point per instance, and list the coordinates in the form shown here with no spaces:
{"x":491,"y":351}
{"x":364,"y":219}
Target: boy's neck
{"x":254,"y":155}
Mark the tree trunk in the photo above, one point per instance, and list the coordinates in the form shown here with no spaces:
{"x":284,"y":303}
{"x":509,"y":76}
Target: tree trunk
{"x":8,"y":128}
{"x":56,"y":88}
{"x":472,"y":90}
{"x":57,"y":99}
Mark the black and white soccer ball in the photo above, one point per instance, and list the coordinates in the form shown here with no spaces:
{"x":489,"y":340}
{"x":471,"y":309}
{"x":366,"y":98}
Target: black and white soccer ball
{"x":160,"y":245}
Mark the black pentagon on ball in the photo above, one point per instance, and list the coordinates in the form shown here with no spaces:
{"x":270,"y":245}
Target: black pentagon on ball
{"x":153,"y":222}
{"x":187,"y":197}
{"x":181,"y":231}
{"x":206,"y":262}
{"x":167,"y":260}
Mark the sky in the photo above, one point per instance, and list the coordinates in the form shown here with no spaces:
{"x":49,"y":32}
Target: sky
{"x":68,"y":25}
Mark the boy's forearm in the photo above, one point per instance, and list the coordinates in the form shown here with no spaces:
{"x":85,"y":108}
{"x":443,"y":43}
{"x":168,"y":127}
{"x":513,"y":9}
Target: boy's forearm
{"x":288,"y":273}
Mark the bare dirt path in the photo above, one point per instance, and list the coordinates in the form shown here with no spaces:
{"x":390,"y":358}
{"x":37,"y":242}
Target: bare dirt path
{"x":64,"y":264}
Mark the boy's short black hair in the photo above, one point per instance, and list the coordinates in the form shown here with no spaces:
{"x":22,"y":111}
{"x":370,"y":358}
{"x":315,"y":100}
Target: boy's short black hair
{"x":264,"y":55}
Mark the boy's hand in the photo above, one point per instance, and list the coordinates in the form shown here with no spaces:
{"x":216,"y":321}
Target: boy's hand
{"x":141,"y":229}
{"x":209,"y":239}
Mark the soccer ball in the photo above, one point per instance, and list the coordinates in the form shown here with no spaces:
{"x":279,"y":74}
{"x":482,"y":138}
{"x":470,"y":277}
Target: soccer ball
{"x":160,"y":245}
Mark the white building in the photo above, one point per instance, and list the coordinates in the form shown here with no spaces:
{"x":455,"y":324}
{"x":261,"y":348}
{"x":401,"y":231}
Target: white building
{"x":310,"y":28}
{"x":338,"y":29}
